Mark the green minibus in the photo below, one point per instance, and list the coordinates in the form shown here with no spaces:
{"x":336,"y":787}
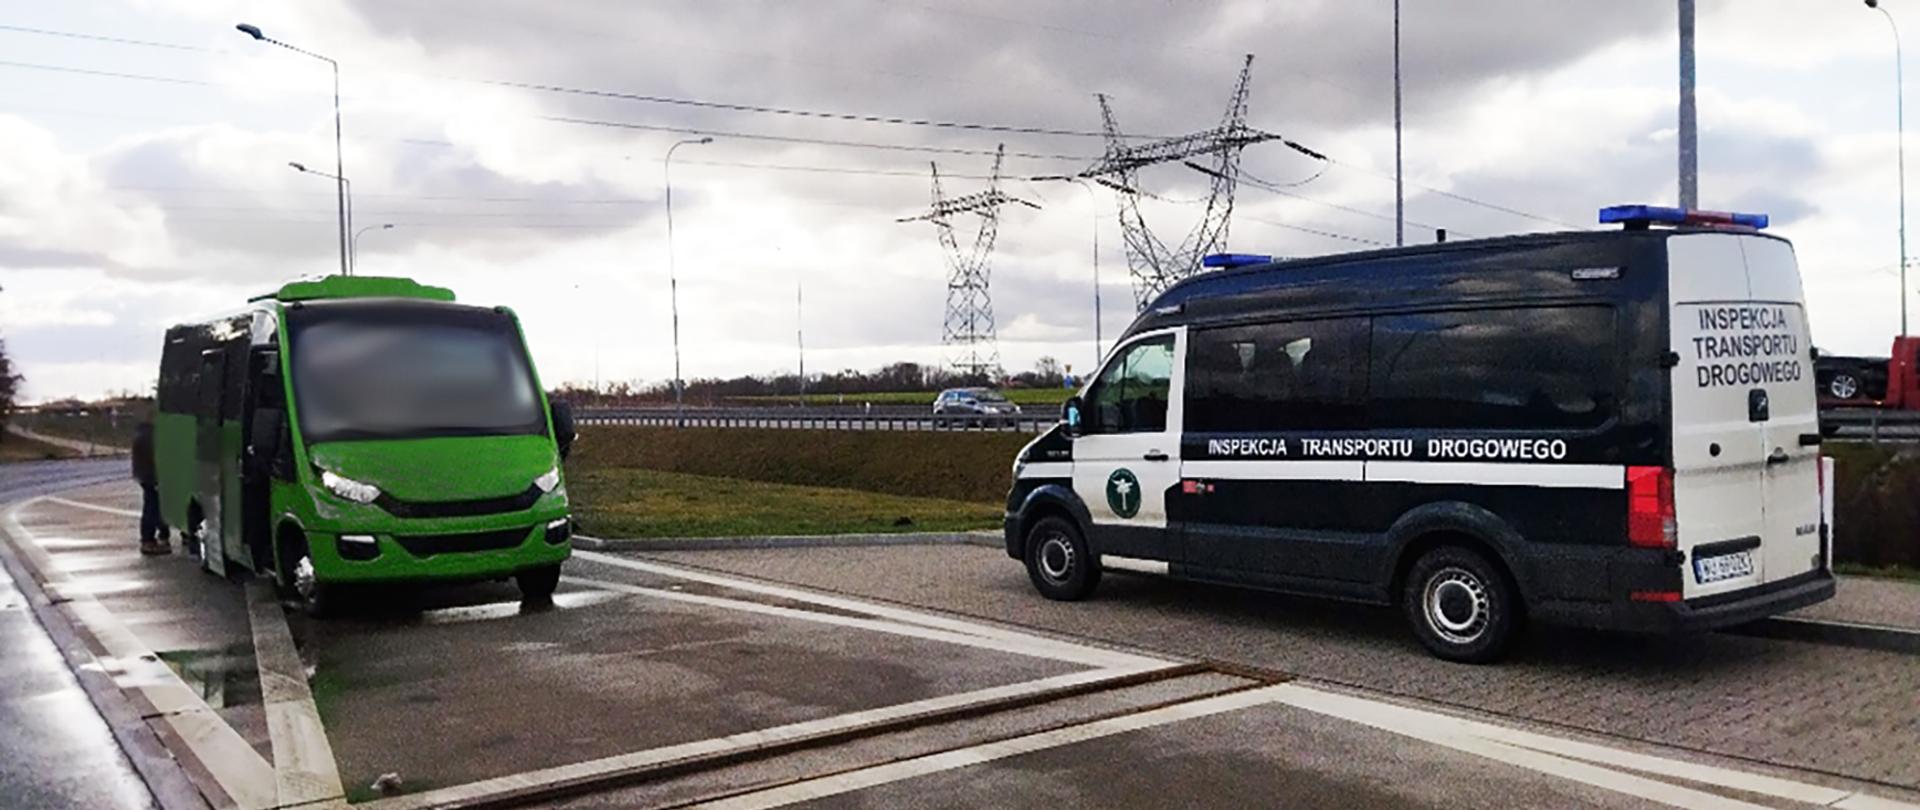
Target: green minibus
{"x":355,"y":430}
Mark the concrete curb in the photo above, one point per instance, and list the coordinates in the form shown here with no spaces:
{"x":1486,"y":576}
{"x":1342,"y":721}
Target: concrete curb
{"x":146,"y":751}
{"x":1840,"y":634}
{"x":990,"y":539}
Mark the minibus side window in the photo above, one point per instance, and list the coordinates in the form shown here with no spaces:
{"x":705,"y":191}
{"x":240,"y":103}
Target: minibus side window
{"x":1534,"y":368}
{"x":1132,"y":393}
{"x":1306,"y":375}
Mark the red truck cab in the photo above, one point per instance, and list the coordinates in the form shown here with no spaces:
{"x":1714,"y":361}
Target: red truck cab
{"x":1891,"y":382}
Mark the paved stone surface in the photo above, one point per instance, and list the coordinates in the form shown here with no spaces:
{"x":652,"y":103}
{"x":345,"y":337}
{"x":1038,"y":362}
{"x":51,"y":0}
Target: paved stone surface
{"x":1868,"y":600}
{"x":55,"y":750}
{"x":1843,"y":711}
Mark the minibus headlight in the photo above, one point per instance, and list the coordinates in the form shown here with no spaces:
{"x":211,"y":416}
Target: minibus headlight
{"x":348,"y":488}
{"x":548,"y":480}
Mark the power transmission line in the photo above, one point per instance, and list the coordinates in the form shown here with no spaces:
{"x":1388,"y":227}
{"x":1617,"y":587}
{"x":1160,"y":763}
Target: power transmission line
{"x":719,"y":133}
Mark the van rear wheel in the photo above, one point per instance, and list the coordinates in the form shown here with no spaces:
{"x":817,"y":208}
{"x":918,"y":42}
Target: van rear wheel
{"x":1059,"y":562}
{"x":1461,"y":605}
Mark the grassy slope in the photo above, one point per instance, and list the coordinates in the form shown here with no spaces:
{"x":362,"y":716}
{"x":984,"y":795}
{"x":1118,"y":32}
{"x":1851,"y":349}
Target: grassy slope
{"x":972,"y":467}
{"x":1022,"y":396}
{"x":20,"y":448}
{"x":650,"y":503}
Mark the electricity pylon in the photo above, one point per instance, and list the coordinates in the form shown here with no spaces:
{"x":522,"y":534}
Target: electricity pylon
{"x":1153,"y":265}
{"x":968,"y":329}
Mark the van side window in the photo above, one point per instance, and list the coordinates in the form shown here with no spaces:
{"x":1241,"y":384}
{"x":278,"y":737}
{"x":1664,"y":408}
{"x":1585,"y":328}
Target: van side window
{"x":1132,"y":393}
{"x":1307,"y":375}
{"x":1538,"y":368}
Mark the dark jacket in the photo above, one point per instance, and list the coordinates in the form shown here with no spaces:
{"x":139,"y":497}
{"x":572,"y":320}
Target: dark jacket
{"x":143,"y":467}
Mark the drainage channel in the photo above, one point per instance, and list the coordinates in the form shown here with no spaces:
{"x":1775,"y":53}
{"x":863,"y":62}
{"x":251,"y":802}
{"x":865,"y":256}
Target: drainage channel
{"x":971,"y":724}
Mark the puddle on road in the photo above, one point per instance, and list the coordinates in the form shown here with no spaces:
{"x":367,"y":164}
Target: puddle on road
{"x":222,"y":677}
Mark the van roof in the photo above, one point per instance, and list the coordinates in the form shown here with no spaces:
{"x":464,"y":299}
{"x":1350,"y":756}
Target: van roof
{"x":332,"y":287}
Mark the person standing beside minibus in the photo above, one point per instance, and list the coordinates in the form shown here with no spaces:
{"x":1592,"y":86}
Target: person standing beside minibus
{"x":155,"y":538}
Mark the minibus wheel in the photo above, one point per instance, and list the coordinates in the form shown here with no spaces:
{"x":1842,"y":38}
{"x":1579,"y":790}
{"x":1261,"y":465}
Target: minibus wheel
{"x":537,"y":585}
{"x":1059,"y":562}
{"x":1461,"y":605}
{"x":298,"y":579}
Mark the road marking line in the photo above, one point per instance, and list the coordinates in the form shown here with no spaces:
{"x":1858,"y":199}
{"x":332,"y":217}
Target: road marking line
{"x":736,"y":742}
{"x":1027,"y":647}
{"x":222,"y":755}
{"x":304,"y":768}
{"x":1107,"y":657}
{"x":1571,"y":759}
{"x":111,"y":510}
{"x":988,"y":752}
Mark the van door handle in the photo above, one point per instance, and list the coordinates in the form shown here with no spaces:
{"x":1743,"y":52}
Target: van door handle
{"x":1778,"y":456}
{"x":1155,"y":455}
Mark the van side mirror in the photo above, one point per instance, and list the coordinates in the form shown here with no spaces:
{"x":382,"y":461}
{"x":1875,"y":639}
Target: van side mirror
{"x":563,"y":430}
{"x":1070,"y":416}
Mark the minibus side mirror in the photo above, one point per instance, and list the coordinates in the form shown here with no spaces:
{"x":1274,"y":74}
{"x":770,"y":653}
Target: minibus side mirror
{"x":563,"y":430}
{"x":263,"y":446}
{"x":1070,"y":416}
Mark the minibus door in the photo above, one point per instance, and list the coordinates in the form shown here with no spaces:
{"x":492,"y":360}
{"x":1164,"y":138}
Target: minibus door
{"x":1126,"y":456}
{"x":210,"y":450}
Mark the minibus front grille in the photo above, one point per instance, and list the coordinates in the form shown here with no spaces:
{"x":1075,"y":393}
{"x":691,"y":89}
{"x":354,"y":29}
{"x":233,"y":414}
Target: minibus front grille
{"x":473,"y":508}
{"x":427,"y":545}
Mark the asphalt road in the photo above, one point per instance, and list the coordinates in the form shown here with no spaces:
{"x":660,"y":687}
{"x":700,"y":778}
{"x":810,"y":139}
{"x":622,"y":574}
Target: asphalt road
{"x":702,"y":677}
{"x":55,"y":750}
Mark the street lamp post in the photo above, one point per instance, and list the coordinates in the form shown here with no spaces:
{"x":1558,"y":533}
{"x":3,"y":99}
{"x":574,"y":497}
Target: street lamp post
{"x":354,"y":247}
{"x":346,"y":210}
{"x":1900,"y":124}
{"x":339,"y":164}
{"x":1399,"y":183}
{"x":673,"y":283}
{"x":1093,"y":201}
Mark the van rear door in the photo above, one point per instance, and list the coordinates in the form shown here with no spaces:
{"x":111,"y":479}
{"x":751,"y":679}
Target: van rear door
{"x":1745,"y":488}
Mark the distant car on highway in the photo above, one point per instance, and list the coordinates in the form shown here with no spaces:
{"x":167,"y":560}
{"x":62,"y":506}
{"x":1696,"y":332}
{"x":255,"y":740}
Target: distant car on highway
{"x":973,"y":402}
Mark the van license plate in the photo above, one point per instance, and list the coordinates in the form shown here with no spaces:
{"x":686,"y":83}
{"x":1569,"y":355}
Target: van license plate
{"x":1724,"y":566}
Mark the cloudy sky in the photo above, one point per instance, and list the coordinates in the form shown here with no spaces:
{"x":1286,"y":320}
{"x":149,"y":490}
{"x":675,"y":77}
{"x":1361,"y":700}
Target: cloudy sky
{"x":144,"y":148}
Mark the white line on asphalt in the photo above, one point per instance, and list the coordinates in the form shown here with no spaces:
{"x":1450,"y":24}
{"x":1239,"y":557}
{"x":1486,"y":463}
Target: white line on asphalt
{"x":978,"y":754}
{"x":1031,"y":647}
{"x":736,"y":742}
{"x":1562,"y":757}
{"x":1107,"y":657}
{"x":235,"y":767}
{"x":132,"y":513}
{"x":303,"y":765}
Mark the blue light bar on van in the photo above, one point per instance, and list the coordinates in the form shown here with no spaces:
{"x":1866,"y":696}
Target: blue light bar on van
{"x":1643,"y":215}
{"x":1227,"y":260}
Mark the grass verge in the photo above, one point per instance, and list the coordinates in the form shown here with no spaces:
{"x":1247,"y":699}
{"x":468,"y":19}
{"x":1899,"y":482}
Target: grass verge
{"x":20,"y":448}
{"x":627,"y":502}
{"x":1020,"y":396}
{"x":1900,"y":572}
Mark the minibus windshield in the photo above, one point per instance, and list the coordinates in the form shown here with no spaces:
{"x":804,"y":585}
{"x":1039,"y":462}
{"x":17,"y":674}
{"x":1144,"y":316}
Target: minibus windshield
{"x":363,"y":371}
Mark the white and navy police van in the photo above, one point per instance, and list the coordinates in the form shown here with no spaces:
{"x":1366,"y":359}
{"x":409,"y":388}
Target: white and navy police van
{"x":1611,"y":429}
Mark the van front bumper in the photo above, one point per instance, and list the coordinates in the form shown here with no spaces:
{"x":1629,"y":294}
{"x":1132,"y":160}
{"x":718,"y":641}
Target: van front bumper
{"x":1697,"y":615}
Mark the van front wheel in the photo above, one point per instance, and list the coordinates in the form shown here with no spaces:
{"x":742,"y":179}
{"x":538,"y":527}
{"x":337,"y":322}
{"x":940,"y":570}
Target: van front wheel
{"x":1059,"y":562}
{"x":1461,"y":605}
{"x":537,"y":586}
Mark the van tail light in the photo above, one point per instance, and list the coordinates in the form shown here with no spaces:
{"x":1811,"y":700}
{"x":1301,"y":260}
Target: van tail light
{"x":1650,"y":522}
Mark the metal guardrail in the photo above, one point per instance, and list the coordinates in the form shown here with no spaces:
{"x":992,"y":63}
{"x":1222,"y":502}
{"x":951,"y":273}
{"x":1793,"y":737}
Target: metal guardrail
{"x":1871,"y":424}
{"x":814,"y":419}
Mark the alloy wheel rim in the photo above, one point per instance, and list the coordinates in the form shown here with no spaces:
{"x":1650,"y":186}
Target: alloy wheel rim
{"x":303,"y":578}
{"x":1844,"y":386}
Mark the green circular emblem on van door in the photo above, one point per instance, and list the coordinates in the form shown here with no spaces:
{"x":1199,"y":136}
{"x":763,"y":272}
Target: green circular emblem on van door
{"x":1123,"y":493}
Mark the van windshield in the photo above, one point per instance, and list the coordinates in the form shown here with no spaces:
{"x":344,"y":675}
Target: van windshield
{"x":405,"y":370}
